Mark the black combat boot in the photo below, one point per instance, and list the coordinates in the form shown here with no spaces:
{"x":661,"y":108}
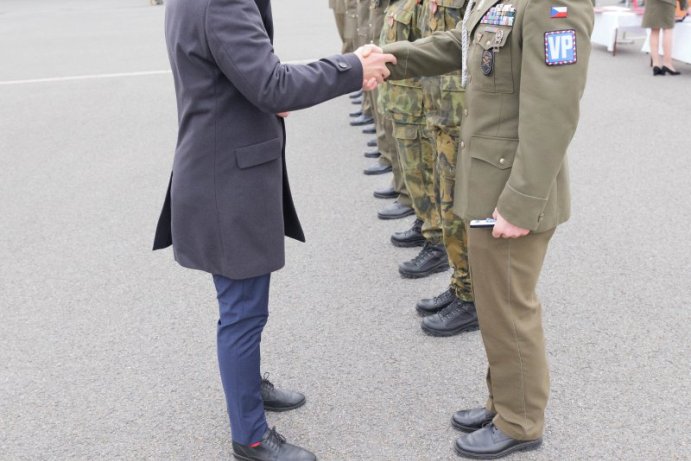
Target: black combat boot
{"x":409,"y":238}
{"x":272,"y":447}
{"x":428,"y":306}
{"x":431,"y":259}
{"x":457,"y":317}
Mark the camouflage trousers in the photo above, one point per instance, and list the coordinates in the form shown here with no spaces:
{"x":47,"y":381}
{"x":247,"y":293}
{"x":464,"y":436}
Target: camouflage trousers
{"x":416,"y":154}
{"x":453,"y":227}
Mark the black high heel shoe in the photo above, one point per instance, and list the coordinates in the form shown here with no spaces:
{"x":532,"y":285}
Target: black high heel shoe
{"x":657,"y":71}
{"x":667,"y":70}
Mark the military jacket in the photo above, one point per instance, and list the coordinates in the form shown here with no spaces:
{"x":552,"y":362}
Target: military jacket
{"x":377,"y":11}
{"x":351,"y":20}
{"x":402,"y":100}
{"x":527,"y":64}
{"x":443,"y":93}
{"x":339,"y":6}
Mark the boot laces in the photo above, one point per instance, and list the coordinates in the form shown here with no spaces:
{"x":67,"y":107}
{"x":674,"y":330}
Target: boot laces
{"x":427,"y":249}
{"x":274,"y":439}
{"x":266,"y":383}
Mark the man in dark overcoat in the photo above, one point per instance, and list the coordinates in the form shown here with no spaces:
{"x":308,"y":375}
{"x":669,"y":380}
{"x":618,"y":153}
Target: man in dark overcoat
{"x":228,"y":204}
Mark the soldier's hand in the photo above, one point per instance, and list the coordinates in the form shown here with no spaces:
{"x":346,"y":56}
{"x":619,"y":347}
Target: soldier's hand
{"x":374,"y":63}
{"x":504,"y":229}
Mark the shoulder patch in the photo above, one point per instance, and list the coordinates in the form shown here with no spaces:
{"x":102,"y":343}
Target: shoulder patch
{"x":560,"y":47}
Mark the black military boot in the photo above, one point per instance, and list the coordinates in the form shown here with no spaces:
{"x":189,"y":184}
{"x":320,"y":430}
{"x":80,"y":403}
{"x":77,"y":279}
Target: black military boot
{"x":457,"y":317}
{"x":272,"y":447}
{"x":279,"y":400}
{"x":428,"y":306}
{"x":431,"y":259}
{"x":409,"y":238}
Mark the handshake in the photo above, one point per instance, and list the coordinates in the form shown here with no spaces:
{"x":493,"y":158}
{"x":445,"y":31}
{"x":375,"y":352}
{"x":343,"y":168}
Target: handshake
{"x":374,"y":69}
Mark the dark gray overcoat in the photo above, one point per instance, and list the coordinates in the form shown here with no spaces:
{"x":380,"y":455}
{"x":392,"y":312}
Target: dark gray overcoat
{"x":228,"y":204}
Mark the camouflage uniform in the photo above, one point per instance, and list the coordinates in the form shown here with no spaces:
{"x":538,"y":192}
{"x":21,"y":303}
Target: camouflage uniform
{"x":350,"y":26}
{"x":403,"y":102}
{"x":339,"y":9}
{"x":444,"y":99}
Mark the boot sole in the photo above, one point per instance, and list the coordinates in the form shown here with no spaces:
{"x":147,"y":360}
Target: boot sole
{"x":397,"y":216}
{"x":440,"y":333}
{"x":408,"y":244}
{"x":282,"y":409}
{"x":525,"y":446}
{"x":419,"y":275}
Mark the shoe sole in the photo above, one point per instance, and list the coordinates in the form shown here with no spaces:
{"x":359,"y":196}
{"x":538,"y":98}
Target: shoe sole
{"x":398,"y":216}
{"x":384,"y":196}
{"x":419,"y":275}
{"x":376,"y":172}
{"x":372,"y":155}
{"x":282,"y":409}
{"x":529,"y":445}
{"x":442,"y":333}
{"x":408,"y":244}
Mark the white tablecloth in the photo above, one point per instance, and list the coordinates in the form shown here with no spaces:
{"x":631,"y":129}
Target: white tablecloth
{"x":681,"y":47}
{"x":609,"y":21}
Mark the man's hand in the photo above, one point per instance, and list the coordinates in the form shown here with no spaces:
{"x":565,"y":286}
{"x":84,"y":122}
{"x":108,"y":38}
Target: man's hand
{"x":504,"y":229}
{"x":374,"y":69}
{"x":283,"y":114}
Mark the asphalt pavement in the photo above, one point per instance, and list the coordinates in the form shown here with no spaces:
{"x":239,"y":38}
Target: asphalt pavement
{"x":107,"y":349}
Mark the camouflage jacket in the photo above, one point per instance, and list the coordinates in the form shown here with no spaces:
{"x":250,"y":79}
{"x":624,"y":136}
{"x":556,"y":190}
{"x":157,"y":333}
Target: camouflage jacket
{"x":402,"y":100}
{"x":444,"y":97}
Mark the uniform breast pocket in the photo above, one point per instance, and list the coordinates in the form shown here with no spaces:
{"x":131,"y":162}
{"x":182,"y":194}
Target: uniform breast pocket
{"x":491,"y":64}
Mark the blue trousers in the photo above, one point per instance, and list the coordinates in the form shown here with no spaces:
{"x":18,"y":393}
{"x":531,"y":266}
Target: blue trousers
{"x":244,"y":310}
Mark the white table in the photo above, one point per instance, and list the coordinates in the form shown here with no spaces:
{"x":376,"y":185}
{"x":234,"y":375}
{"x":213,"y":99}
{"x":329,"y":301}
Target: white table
{"x":611,"y":20}
{"x":681,"y":47}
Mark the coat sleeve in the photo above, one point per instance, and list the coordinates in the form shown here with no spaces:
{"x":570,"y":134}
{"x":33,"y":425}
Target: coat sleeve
{"x":437,"y":54}
{"x":242,"y":49}
{"x":548,"y":110}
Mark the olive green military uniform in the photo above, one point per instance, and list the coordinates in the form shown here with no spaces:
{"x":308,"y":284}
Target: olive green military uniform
{"x":350,"y":26}
{"x":526,"y":72}
{"x":444,"y":102}
{"x":403,"y":103}
{"x":339,"y":9}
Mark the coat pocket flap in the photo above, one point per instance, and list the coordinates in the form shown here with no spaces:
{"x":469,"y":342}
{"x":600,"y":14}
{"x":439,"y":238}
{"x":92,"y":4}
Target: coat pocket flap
{"x":451,"y":3}
{"x":256,"y":154}
{"x":499,"y":152}
{"x":408,"y":132}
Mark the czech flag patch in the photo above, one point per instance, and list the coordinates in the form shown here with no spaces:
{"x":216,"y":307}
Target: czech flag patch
{"x":560,"y":47}
{"x":559,"y":12}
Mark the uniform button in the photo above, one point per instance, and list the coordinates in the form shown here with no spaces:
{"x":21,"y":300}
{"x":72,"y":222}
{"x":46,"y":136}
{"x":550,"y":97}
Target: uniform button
{"x":462,"y":145}
{"x":488,"y":42}
{"x":502,"y":161}
{"x":465,"y":112}
{"x":342,"y":65}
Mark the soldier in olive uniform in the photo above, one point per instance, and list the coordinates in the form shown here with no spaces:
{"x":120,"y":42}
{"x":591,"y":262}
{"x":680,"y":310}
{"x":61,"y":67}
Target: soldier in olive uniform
{"x":403,"y":101}
{"x":524,"y":70}
{"x":453,"y":311}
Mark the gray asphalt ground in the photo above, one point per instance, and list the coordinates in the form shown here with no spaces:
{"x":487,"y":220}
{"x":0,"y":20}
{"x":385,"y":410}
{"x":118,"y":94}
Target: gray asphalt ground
{"x":107,"y":350}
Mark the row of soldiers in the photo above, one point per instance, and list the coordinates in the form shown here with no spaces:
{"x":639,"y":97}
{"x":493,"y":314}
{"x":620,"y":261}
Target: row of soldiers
{"x":417,"y":126}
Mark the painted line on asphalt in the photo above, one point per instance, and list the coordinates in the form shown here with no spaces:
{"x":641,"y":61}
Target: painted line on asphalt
{"x":99,"y":76}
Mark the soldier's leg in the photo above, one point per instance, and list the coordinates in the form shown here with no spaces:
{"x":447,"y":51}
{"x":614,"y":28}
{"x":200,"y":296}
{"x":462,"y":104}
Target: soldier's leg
{"x":505,"y":274}
{"x":453,"y":227}
{"x":387,"y":148}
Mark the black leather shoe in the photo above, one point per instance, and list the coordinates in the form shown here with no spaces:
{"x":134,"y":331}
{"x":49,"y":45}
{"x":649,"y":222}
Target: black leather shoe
{"x":428,"y":306}
{"x":356,"y":101}
{"x":272,"y":447}
{"x":372,"y":143}
{"x":373,"y":154}
{"x":395,"y":211}
{"x":667,"y":70}
{"x":471,"y":420}
{"x":369,"y":130}
{"x":362,"y":120}
{"x":491,"y":443}
{"x":357,"y":113}
{"x":457,"y":317}
{"x":657,"y":71}
{"x":280,"y":400}
{"x":409,"y":238}
{"x":430,"y":260}
{"x":355,"y":95}
{"x":377,"y":168}
{"x":385,"y":192}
